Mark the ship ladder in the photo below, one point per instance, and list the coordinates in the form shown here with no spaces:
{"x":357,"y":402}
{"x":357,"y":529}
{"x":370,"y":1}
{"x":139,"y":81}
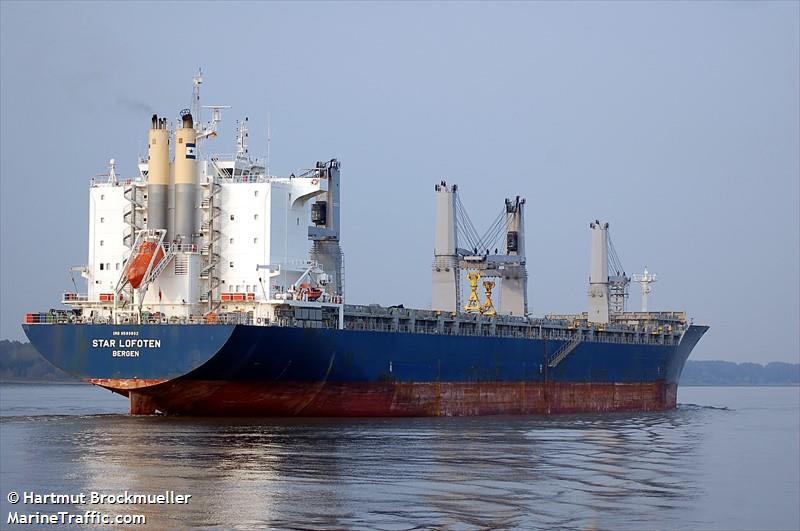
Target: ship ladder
{"x":563,"y":352}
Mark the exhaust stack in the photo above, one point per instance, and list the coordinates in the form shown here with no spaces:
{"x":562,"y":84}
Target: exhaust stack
{"x":185,"y":180}
{"x":157,"y":174}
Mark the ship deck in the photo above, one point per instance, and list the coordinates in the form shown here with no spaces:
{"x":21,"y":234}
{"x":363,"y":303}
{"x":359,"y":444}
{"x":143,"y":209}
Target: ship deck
{"x":657,"y":328}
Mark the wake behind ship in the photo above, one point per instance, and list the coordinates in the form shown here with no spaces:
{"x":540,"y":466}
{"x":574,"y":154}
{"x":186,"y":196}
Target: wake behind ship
{"x":216,"y":288}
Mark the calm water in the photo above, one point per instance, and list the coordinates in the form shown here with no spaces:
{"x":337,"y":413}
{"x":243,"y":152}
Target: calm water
{"x":728,"y":458}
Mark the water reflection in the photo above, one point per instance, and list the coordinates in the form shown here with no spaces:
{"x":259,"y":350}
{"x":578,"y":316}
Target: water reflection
{"x":594,"y":471}
{"x":701,"y":467}
{"x":576,"y":471}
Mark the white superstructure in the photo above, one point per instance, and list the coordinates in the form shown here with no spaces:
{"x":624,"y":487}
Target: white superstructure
{"x":225,"y":237}
{"x":107,"y":248}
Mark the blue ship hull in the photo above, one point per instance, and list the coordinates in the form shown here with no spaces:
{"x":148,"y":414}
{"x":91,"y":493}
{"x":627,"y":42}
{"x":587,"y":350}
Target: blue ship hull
{"x":268,"y":370}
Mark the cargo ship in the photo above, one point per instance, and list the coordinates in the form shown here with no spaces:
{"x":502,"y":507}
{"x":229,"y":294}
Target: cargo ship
{"x":217,"y":288}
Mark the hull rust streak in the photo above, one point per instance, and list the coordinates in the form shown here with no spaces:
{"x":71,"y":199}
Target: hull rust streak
{"x":193,"y":397}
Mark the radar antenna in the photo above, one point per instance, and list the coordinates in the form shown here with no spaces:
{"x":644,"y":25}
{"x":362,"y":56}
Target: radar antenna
{"x":196,"y":82}
{"x":112,"y":171}
{"x":203,"y":130}
{"x":242,"y":149}
{"x":269,"y":139}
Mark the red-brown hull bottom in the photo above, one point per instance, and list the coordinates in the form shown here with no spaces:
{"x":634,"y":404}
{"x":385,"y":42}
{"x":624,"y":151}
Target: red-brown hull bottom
{"x":390,"y":399}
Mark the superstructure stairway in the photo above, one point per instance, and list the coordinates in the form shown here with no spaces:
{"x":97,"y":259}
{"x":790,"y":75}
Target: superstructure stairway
{"x":160,"y":267}
{"x":209,"y":229}
{"x":133,"y":214}
{"x":563,"y":352}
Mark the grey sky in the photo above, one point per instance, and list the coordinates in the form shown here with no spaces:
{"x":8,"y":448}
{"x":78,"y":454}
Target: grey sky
{"x":676,"y":122}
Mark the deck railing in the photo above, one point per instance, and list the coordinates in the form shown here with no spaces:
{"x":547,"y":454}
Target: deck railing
{"x":371,"y":319}
{"x":74,"y":297}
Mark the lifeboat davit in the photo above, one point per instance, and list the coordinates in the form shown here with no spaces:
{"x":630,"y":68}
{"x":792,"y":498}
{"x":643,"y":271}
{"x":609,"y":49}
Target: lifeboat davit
{"x":142,"y":259}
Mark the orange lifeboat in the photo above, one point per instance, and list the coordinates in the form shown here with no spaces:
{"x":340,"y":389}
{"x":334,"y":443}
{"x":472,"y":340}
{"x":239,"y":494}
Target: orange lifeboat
{"x":309,"y":293}
{"x":142,"y":259}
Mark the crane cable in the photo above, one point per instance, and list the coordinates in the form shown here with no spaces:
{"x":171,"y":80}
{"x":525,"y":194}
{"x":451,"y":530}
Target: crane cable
{"x":493,"y":235}
{"x":613,"y":258}
{"x":465,"y":225}
{"x":492,"y":238}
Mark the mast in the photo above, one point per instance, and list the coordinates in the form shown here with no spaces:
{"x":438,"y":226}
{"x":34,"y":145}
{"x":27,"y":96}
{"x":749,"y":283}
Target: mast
{"x":598,"y":274}
{"x":645,"y":280}
{"x":446,"y":271}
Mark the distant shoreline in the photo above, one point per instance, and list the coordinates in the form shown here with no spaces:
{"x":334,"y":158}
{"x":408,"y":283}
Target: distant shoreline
{"x":740,"y":385}
{"x":34,"y":381}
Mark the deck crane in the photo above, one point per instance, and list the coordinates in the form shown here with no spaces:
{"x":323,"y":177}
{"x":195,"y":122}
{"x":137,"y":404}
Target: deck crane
{"x":618,"y":281}
{"x":499,"y":252}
